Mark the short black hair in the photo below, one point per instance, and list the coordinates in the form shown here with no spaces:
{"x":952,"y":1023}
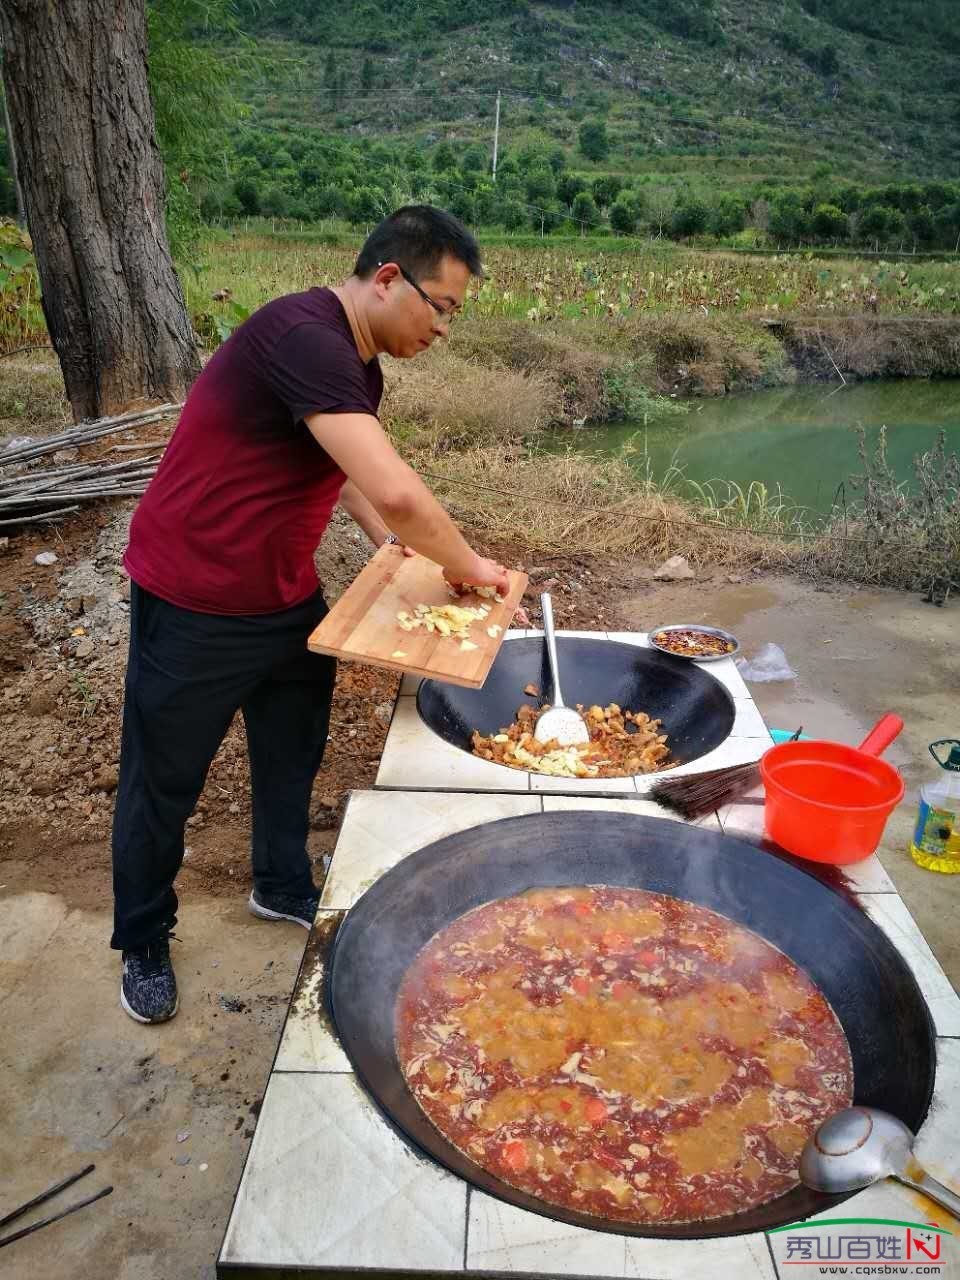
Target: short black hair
{"x":416,"y":238}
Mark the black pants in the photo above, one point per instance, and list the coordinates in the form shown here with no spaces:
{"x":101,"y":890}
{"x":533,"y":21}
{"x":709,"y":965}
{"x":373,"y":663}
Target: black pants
{"x":187,"y":675}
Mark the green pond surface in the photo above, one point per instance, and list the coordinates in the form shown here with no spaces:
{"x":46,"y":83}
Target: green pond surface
{"x":800,"y":438}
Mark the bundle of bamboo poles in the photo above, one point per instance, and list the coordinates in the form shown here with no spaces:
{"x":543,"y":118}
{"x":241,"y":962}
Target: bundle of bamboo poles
{"x":30,"y":493}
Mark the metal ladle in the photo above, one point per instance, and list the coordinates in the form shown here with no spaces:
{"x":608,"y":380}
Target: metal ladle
{"x":861,"y":1145}
{"x":560,"y":723}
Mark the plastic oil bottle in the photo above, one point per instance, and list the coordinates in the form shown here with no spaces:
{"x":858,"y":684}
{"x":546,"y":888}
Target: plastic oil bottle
{"x":936,"y":841}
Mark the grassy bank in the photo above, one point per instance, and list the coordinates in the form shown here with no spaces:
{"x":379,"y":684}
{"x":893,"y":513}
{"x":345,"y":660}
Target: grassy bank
{"x":630,"y":337}
{"x":595,"y":334}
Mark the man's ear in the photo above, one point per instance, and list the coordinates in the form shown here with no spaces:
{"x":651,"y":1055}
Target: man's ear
{"x":387,"y":275}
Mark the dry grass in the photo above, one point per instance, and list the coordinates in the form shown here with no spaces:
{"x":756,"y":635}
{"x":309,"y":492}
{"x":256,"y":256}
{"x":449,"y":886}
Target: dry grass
{"x":564,"y":356}
{"x":874,"y":346}
{"x":574,"y":503}
{"x":443,"y":401}
{"x":32,"y":397}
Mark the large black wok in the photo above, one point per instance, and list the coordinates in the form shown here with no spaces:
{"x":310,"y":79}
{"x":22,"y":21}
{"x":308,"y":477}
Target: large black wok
{"x":852,"y":962}
{"x":696,"y":710}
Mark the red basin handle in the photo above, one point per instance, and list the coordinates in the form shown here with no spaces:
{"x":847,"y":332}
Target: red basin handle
{"x":881,"y":735}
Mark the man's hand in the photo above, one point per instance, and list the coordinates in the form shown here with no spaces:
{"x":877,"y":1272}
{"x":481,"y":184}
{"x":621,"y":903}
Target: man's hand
{"x":486,"y":573}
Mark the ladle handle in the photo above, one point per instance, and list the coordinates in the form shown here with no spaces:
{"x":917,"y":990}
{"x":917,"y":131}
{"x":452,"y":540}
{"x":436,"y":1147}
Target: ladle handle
{"x":943,"y":1196}
{"x":546,"y":605}
{"x":881,"y":735}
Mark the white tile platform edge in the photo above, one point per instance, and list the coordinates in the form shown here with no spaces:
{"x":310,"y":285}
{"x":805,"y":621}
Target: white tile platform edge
{"x":328,"y":1185}
{"x":416,"y":759}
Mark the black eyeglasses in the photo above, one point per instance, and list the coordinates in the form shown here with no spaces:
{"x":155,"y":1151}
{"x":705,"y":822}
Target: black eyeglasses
{"x":445,"y":313}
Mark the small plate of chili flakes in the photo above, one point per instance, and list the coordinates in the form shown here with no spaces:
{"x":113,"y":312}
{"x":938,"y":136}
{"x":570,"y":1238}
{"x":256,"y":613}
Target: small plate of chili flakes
{"x":695,"y":641}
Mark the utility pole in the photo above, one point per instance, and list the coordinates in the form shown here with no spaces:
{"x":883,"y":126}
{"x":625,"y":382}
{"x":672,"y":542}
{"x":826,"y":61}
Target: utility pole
{"x":496,"y":137}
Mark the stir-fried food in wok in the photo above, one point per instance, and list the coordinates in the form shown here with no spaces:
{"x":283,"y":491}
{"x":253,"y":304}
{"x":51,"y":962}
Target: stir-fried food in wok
{"x":621,"y":744}
{"x":691,"y":643}
{"x":621,"y":1053}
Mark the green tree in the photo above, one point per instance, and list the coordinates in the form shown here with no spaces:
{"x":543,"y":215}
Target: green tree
{"x":511,"y":215}
{"x":606,"y":189}
{"x":626,"y":212}
{"x":828,"y":222}
{"x":247,"y":195}
{"x":541,"y":186}
{"x":474,"y":159}
{"x":463,"y":206}
{"x":367,"y":74}
{"x":788,"y":217}
{"x":728,"y":215}
{"x":947,"y":223}
{"x":570,"y":185}
{"x":874,"y":222}
{"x":83,"y":125}
{"x":689,"y":217}
{"x":922,"y":226}
{"x":444,"y":158}
{"x":192,"y":82}
{"x":365,"y":205}
{"x":585,"y":210}
{"x":593,"y":140}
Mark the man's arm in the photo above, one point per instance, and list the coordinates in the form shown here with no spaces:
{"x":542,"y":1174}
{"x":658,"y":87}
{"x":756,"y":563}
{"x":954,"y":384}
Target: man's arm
{"x":359,"y":446}
{"x":363,"y":513}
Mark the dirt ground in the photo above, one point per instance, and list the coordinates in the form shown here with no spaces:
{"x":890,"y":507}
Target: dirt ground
{"x":857,"y":653}
{"x":166,"y":1113}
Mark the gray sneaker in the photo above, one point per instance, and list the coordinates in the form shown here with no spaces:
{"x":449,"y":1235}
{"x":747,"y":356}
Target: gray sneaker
{"x":148,"y":989}
{"x":283,"y":906}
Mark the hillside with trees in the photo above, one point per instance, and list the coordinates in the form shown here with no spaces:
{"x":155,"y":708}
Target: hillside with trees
{"x":766,"y":122}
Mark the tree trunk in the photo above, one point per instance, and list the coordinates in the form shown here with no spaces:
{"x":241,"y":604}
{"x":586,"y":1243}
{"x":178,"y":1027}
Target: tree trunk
{"x":12,"y":162}
{"x":93,"y":185}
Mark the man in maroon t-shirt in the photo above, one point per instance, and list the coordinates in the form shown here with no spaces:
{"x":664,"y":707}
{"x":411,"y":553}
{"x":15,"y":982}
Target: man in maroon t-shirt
{"x":280,"y":426}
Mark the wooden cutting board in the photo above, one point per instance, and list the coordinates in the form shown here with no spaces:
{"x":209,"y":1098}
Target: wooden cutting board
{"x":362,"y":626}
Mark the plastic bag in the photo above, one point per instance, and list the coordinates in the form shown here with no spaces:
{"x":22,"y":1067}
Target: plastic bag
{"x":770,"y":664}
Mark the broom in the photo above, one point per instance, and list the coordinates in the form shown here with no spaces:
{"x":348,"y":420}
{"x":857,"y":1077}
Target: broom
{"x":692,"y":797}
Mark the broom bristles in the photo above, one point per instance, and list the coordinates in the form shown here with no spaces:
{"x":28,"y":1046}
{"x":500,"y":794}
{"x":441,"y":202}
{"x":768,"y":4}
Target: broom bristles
{"x":703,"y":792}
{"x":692,"y":797}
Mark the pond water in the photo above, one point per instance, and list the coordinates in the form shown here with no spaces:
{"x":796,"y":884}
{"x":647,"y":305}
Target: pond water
{"x":800,"y":438}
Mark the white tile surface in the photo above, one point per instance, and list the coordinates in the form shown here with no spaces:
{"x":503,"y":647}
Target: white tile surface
{"x":743,"y":819}
{"x":736,"y":1257}
{"x":937,"y":1150}
{"x":501,"y":1237}
{"x":308,"y":1042}
{"x":415,"y":757}
{"x":328,"y":1183}
{"x":646,"y":808}
{"x":725,"y":670}
{"x":542,"y":783}
{"x":381,"y":827}
{"x":748,"y":722}
{"x":889,"y":911}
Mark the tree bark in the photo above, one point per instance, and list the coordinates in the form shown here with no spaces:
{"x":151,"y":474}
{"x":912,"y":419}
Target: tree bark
{"x":93,"y":186}
{"x":12,"y":160}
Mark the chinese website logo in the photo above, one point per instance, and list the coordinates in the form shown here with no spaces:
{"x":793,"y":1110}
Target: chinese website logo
{"x":864,"y":1247}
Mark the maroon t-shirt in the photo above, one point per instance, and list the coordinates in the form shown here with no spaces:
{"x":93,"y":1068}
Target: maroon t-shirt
{"x":231,"y":520}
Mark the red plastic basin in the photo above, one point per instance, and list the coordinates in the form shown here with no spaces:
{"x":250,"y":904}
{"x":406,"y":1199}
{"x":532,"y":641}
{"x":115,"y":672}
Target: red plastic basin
{"x":826,"y":801}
